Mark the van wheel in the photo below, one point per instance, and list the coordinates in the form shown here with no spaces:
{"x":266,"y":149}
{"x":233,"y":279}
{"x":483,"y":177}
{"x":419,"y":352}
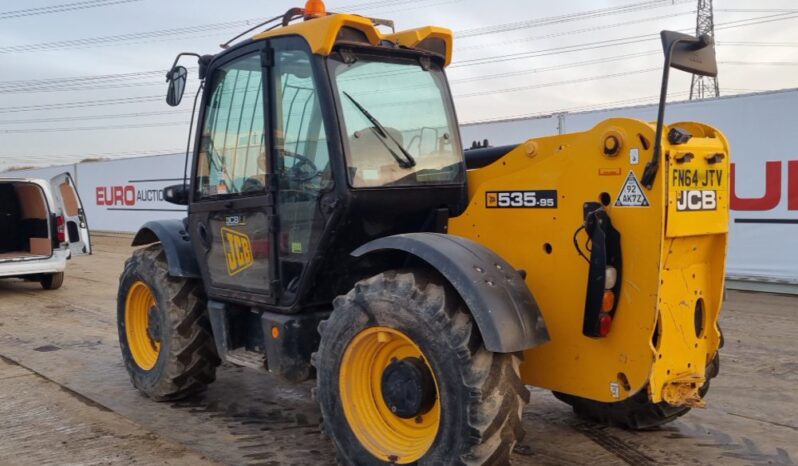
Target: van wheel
{"x":404,"y":378}
{"x":164,"y":332}
{"x":52,"y":281}
{"x":636,"y":412}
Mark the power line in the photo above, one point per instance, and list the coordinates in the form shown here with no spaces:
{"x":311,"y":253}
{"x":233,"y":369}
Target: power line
{"x":94,"y":117}
{"x":119,"y":85}
{"x":582,"y":108}
{"x":758,"y":44}
{"x":596,"y":61}
{"x":106,"y":78}
{"x":78,"y":43}
{"x":81,"y":104}
{"x":558,"y":83}
{"x":590,"y":14}
{"x":167,"y":34}
{"x":611,"y":42}
{"x":575,"y":31}
{"x":759,"y":63}
{"x":61,"y":8}
{"x":4,"y":85}
{"x":756,"y":10}
{"x":93,"y":128}
{"x":102,"y":155}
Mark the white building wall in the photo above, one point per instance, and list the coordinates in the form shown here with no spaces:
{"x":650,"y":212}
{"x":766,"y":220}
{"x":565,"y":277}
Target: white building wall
{"x":760,"y":128}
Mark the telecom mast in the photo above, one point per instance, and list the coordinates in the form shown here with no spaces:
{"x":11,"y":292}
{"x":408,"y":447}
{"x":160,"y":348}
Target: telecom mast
{"x":704,"y":87}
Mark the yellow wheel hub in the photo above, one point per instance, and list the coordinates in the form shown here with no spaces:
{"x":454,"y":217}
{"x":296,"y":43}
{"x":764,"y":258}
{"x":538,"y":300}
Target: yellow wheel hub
{"x":384,"y":434}
{"x":144,"y":349}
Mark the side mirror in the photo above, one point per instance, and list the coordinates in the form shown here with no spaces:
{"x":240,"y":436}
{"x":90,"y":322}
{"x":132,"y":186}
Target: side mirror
{"x":694,"y":55}
{"x":684,"y":52}
{"x":176,"y":78}
{"x":176,"y":194}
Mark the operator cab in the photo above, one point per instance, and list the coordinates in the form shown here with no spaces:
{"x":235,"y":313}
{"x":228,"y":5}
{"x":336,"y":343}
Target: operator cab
{"x":309,"y":145}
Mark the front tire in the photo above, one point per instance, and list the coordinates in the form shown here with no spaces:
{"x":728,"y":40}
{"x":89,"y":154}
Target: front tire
{"x":411,"y":327}
{"x":164,"y":333}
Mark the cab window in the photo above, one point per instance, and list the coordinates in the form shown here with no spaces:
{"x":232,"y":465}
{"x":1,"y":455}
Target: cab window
{"x":232,"y":157}
{"x":398,"y":122}
{"x":301,"y":155}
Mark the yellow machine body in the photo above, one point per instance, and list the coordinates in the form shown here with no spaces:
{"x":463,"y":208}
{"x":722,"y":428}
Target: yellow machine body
{"x":673,"y":258}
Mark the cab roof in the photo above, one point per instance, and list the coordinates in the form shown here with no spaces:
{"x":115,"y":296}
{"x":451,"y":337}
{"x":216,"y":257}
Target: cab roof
{"x":323,"y":33}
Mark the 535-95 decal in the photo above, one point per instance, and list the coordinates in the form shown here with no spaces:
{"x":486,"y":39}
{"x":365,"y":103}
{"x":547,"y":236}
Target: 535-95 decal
{"x":538,"y":199}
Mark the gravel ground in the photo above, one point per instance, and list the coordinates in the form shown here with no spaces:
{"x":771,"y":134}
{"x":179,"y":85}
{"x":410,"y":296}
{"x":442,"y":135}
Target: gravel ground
{"x":65,"y":397}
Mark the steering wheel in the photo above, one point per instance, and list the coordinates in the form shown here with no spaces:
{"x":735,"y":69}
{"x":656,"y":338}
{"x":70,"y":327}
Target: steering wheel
{"x":303,"y":170}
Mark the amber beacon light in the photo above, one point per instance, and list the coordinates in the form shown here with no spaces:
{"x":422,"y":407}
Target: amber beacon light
{"x":315,"y":9}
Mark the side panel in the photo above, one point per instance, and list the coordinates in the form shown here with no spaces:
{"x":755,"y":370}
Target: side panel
{"x":528,"y":208}
{"x":502,"y":306}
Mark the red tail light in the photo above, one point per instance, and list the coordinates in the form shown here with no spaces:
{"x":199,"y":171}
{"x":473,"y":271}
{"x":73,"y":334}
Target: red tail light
{"x":60,"y":229}
{"x":605,"y":324}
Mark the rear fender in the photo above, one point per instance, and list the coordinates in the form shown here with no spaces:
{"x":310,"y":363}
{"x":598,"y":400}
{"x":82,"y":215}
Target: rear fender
{"x":503,"y":308}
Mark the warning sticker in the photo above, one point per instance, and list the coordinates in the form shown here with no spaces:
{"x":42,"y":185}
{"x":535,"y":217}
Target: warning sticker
{"x":631,"y":194}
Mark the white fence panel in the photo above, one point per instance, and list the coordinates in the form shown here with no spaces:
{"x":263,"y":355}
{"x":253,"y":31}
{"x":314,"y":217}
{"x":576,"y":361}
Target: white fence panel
{"x":122,"y":195}
{"x":760,"y":128}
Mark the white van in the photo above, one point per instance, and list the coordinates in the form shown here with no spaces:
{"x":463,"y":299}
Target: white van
{"x":42,"y":225}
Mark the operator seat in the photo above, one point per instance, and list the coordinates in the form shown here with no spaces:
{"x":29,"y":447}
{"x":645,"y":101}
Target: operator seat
{"x":370,"y":163}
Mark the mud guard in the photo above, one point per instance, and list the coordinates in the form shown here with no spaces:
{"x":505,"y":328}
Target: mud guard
{"x":503,"y":307}
{"x":176,"y":243}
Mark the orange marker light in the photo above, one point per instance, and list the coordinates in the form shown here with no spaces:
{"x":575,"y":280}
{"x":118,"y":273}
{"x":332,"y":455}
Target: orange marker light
{"x":608,"y":301}
{"x":315,"y":9}
{"x":275,"y":332}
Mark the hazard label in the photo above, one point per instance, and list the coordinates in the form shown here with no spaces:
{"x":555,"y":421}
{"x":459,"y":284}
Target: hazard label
{"x":631,"y":194}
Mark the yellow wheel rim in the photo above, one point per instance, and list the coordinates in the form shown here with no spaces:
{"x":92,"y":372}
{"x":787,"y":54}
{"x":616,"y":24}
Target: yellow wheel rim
{"x":384,"y":434}
{"x":140,"y":300}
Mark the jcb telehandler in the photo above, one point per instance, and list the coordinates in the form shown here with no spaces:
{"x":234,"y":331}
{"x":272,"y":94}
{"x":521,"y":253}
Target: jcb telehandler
{"x":336,"y":229}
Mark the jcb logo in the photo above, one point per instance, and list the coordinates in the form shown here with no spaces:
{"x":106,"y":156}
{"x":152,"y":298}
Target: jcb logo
{"x":696,"y":201}
{"x":237,"y":250}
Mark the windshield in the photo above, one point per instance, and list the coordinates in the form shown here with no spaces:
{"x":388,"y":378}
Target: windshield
{"x":398,"y":122}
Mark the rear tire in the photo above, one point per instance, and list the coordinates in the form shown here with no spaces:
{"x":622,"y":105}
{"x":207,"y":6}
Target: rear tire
{"x":636,"y":412}
{"x":52,"y":281}
{"x":479,"y":394}
{"x":181,"y":359}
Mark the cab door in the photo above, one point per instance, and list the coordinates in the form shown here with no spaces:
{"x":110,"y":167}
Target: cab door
{"x":70,"y":215}
{"x":231,"y":212}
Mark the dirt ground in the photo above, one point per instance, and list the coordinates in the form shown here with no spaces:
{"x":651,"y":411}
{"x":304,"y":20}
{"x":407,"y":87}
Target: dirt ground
{"x":65,"y":397}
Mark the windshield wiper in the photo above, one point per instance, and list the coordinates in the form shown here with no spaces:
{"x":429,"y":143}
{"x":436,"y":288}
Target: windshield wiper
{"x":409,"y":161}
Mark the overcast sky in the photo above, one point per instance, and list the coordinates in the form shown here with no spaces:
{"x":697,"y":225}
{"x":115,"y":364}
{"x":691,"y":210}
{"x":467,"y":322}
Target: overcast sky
{"x":753,"y":57}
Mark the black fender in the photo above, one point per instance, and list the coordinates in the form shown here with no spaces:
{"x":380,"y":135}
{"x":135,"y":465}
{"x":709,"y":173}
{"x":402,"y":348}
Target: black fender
{"x":501,"y":304}
{"x":176,"y":244}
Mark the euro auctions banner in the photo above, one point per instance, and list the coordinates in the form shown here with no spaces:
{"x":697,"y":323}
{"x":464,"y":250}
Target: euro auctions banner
{"x":122,"y":195}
